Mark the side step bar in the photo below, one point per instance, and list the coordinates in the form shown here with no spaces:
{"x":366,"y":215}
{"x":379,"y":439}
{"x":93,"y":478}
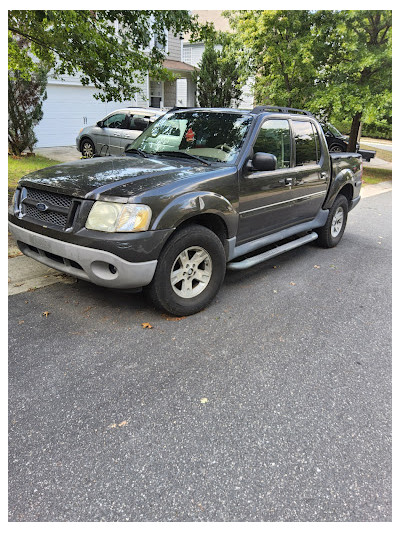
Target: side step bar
{"x":251,"y":261}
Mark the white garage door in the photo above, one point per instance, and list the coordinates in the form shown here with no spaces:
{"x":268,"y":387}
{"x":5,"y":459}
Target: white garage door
{"x":67,"y":109}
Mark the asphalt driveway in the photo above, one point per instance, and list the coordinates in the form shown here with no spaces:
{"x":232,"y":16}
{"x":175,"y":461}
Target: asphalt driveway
{"x":274,"y":404}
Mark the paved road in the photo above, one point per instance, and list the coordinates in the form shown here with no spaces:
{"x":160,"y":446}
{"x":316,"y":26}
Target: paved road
{"x":271,"y":405}
{"x":379,"y":145}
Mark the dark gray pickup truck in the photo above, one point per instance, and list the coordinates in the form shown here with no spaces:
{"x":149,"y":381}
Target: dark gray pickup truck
{"x":201,"y":190}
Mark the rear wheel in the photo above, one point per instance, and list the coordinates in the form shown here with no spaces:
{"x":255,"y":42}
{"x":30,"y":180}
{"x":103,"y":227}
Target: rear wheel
{"x":190,"y":271}
{"x":331,"y":234}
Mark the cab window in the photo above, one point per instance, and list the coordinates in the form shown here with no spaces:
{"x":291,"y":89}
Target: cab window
{"x":306,"y":143}
{"x":274,"y":138}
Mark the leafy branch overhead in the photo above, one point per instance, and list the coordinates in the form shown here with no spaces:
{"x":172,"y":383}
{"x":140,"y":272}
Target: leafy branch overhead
{"x":113,"y":50}
{"x":334,"y":63}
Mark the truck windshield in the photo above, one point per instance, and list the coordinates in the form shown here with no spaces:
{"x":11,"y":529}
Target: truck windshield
{"x":213,"y":136}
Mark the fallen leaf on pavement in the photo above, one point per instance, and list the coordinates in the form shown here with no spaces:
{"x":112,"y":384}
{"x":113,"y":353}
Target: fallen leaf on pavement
{"x":203,"y":400}
{"x":122,"y":424}
{"x":46,"y":313}
{"x":146,"y":325}
{"x":292,"y":283}
{"x":317,"y":266}
{"x":21,"y":322}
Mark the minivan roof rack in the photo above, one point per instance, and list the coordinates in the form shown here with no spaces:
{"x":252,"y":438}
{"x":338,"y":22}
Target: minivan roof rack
{"x":279,"y":109}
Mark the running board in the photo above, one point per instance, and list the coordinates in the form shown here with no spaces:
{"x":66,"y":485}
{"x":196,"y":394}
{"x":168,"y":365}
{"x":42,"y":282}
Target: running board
{"x":251,"y":261}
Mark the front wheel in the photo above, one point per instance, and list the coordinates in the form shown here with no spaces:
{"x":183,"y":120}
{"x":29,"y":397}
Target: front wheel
{"x":190,"y":271}
{"x":330,"y":234}
{"x":87,"y":149}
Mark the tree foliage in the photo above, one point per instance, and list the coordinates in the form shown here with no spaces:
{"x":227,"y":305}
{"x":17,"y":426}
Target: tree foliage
{"x":25,"y":99}
{"x":221,"y":73}
{"x":113,"y":50}
{"x":334,"y":63}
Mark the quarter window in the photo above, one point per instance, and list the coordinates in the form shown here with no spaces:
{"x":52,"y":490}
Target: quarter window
{"x":306,"y":147}
{"x":274,"y":138}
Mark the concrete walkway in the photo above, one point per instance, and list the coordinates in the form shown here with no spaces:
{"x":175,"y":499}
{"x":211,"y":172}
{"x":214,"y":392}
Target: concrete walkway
{"x":60,"y":153}
{"x":378,"y":163}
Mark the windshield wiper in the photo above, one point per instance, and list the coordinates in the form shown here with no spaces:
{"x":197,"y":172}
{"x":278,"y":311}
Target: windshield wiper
{"x":182,"y":154}
{"x":137,"y":151}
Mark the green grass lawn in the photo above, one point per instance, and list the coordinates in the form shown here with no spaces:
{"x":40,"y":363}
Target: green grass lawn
{"x":371,"y":176}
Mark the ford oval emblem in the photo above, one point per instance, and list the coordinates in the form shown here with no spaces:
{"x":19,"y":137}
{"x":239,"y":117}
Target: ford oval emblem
{"x":41,"y":207}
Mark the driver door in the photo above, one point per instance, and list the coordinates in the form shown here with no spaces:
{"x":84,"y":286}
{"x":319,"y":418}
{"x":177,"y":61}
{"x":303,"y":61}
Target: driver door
{"x":266,"y":196}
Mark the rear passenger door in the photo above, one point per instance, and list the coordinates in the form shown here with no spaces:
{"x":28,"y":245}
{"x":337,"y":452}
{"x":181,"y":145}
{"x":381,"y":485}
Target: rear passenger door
{"x":310,"y":180}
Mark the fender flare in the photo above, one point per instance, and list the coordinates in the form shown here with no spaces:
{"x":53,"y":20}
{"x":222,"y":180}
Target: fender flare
{"x":189,"y":205}
{"x":344,"y":177}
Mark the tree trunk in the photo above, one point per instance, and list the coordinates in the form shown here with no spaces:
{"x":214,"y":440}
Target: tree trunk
{"x":355,"y":126}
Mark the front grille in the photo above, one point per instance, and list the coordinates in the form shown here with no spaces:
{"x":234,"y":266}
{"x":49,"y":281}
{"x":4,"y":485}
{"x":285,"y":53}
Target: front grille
{"x":49,"y":217}
{"x":60,"y":200}
{"x":48,"y":208}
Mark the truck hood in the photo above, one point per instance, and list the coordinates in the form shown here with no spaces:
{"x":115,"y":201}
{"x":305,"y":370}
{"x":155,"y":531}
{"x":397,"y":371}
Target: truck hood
{"x":113,"y":176}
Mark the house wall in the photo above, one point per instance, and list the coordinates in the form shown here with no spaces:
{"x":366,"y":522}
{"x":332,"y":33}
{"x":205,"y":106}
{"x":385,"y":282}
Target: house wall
{"x":174,"y":47}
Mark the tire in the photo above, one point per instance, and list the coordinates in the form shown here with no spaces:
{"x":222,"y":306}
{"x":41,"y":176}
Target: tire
{"x":336,"y":148}
{"x":331,"y":234}
{"x":189,"y":273}
{"x":87,"y":149}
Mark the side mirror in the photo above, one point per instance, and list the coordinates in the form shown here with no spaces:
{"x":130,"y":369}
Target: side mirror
{"x":100,"y":124}
{"x":263,"y":161}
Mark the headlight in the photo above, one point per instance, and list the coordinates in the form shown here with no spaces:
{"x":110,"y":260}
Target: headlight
{"x":114,"y":217}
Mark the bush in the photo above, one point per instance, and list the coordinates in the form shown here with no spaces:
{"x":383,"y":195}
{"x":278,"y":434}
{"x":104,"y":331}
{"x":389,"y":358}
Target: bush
{"x":25,"y":100}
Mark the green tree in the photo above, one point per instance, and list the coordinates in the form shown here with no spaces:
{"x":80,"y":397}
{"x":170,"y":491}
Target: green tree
{"x":221,"y":73}
{"x":25,"y":99}
{"x":278,"y":46}
{"x":113,"y":50}
{"x":334,"y":63}
{"x":355,"y":49}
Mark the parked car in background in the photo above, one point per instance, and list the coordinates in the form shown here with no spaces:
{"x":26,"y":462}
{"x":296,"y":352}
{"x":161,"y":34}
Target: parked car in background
{"x":337,"y":142}
{"x":116,"y":131}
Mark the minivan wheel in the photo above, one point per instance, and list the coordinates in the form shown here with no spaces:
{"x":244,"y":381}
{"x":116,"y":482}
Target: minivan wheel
{"x":330,"y":234}
{"x":190,"y":271}
{"x":87,"y":149}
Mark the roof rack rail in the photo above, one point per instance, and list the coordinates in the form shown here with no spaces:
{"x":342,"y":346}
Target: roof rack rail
{"x":279,"y":109}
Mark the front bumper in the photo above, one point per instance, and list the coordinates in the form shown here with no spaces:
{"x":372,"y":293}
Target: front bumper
{"x":98,"y":266}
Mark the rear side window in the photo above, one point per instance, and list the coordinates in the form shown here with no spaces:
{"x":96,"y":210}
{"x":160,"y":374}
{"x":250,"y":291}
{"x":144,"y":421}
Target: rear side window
{"x":274,"y":138}
{"x":306,"y":143}
{"x":317,"y":142}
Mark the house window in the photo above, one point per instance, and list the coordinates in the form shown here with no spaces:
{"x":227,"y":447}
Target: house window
{"x":187,"y":54}
{"x":156,"y":93}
